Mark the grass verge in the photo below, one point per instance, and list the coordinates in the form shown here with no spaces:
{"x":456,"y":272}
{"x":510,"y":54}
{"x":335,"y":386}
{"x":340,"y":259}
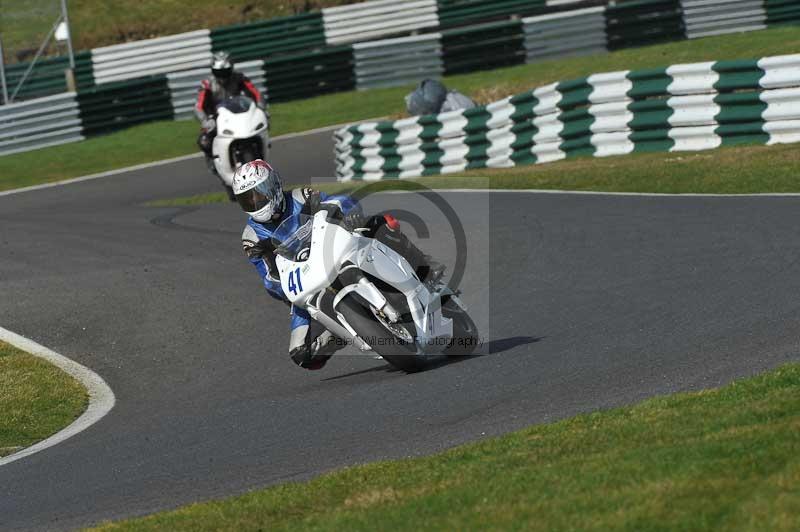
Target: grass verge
{"x":729,"y":170}
{"x":37,"y":399}
{"x":726,"y":459}
{"x":151,"y":142}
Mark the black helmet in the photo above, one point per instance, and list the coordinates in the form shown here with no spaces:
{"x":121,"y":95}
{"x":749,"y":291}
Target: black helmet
{"x":222,"y":66}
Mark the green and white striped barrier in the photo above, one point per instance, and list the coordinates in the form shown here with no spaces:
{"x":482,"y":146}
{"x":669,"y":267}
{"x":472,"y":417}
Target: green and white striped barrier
{"x":468,"y":34}
{"x":685,"y":107}
{"x":48,"y":121}
{"x":297,"y":59}
{"x":377,"y":19}
{"x":162,"y":55}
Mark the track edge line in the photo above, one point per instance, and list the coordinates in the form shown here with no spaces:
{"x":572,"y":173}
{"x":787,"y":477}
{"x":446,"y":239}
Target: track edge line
{"x":162,"y":162}
{"x":556,"y":192}
{"x":101,"y":397}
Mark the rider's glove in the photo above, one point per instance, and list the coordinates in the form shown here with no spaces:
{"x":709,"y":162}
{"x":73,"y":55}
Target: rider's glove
{"x":209,"y":124}
{"x":353,"y":219}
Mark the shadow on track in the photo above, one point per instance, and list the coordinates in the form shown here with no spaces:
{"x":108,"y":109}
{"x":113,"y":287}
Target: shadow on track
{"x":492,"y":347}
{"x":387,"y":368}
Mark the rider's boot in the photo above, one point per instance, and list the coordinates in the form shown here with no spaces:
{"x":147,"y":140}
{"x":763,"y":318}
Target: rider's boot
{"x":204,"y":143}
{"x":428,"y":270}
{"x":311,"y":347}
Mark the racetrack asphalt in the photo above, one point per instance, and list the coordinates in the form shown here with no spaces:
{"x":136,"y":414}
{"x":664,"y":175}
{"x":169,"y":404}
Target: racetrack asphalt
{"x":584,"y":302}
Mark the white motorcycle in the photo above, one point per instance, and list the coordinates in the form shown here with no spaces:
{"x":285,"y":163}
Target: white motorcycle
{"x":242,"y":136}
{"x":368,"y":295}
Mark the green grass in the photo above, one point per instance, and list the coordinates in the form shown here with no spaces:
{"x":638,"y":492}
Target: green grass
{"x":105,"y":22}
{"x":162,"y":140}
{"x":727,"y":459}
{"x":729,"y":170}
{"x":36,"y":399}
{"x":140,"y":144}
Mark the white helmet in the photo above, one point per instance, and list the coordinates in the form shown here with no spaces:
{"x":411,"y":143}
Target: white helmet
{"x":259,"y":191}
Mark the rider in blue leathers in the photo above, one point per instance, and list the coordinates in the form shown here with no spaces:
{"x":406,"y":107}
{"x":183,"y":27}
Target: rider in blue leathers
{"x":260,"y":193}
{"x":257,"y":244}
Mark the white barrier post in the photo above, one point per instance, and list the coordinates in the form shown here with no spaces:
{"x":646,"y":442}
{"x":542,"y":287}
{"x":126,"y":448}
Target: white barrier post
{"x":65,"y":19}
{"x":3,"y":73}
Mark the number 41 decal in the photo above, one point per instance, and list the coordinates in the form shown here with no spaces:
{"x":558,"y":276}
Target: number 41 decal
{"x":295,"y":285}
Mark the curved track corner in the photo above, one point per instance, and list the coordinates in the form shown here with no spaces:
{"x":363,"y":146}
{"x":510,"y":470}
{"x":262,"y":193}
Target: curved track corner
{"x":101,"y":397}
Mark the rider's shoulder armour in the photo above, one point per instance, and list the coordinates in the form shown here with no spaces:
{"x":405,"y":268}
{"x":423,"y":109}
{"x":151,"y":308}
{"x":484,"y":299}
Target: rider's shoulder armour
{"x":249,"y":240}
{"x":256,"y":231}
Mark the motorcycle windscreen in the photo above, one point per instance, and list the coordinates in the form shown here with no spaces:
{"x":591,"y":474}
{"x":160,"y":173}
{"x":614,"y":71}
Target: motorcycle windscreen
{"x":293,"y":237}
{"x":236,"y":104}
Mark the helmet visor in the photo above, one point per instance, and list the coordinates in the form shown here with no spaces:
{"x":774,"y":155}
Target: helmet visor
{"x":222,"y":73}
{"x":257,"y":197}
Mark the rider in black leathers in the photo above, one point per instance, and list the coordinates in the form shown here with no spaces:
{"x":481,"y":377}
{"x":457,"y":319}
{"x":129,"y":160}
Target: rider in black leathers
{"x":224,"y":83}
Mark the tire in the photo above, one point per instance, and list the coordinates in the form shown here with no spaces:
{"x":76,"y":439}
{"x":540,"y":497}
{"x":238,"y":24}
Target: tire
{"x":465,"y":333}
{"x":399,"y":354}
{"x":229,"y":190}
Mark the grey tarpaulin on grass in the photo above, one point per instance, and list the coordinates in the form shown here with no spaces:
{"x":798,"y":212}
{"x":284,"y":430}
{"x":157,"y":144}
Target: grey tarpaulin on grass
{"x":455,"y":101}
{"x":432,"y":97}
{"x":427,"y":98}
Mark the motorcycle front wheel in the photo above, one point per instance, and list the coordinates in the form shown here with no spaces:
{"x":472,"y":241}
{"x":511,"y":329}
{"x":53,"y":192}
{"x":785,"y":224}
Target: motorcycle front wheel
{"x":394,"y":342}
{"x":465,"y":332}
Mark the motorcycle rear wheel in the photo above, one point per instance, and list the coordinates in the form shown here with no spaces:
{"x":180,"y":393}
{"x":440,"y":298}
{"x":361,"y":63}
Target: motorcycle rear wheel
{"x":397,"y":352}
{"x":229,"y":191}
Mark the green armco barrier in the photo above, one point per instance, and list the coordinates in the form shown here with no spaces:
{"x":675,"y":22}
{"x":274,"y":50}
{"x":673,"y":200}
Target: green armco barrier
{"x":290,"y":77}
{"x":477,"y":35}
{"x":736,"y":75}
{"x":782,"y":11}
{"x":485,"y":46}
{"x":474,"y":35}
{"x":683,"y":107}
{"x":115,"y":106}
{"x":461,"y":12}
{"x":643,"y":22}
{"x":262,"y":39}
{"x":48,"y":77}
